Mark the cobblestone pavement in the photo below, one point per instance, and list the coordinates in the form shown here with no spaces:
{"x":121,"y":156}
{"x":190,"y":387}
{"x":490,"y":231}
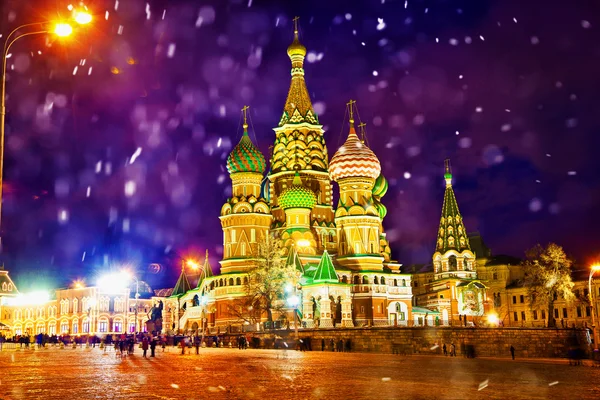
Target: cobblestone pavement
{"x":272,"y":374}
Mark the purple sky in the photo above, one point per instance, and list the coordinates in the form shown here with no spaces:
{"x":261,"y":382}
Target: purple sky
{"x":505,"y":89}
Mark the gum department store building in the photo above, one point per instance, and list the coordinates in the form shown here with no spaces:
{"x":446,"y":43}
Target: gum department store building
{"x":347,"y":276}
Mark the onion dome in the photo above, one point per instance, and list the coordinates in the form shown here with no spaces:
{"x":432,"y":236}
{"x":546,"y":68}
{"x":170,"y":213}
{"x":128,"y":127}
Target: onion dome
{"x":381,"y":210}
{"x":297,"y":196}
{"x":296,"y":48}
{"x":380,"y":187}
{"x":354,"y":159}
{"x":246,"y":157}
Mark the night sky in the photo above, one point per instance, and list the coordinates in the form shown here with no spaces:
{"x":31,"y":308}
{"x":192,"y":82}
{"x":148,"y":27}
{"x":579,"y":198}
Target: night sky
{"x":117,"y":138}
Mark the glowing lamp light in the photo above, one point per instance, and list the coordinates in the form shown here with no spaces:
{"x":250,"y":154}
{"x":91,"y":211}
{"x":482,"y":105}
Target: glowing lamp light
{"x":288,"y":288}
{"x":303,"y":242}
{"x":33,"y":298}
{"x":82,"y":17}
{"x":63,"y":29}
{"x":115,"y":282}
{"x":192,"y":264}
{"x":596,"y":267}
{"x":493,"y":319}
{"x":293,"y":301}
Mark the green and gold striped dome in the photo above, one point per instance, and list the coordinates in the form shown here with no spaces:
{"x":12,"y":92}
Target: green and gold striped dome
{"x":246,"y":157}
{"x":297,"y":196}
{"x":380,"y":187}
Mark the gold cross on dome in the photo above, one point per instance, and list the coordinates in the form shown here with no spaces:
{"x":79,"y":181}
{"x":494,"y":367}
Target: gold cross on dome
{"x":350,"y":105}
{"x":296,"y":24}
{"x":244,"y":110}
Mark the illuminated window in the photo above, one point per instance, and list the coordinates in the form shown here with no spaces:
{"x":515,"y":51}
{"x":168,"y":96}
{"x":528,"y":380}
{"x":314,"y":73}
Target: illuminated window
{"x":253,"y":235}
{"x":232,"y":236}
{"x":4,"y":287}
{"x":64,"y":327}
{"x":86,"y":326}
{"x":118,"y":326}
{"x":75,"y":306}
{"x":131,"y":327}
{"x":103,"y":326}
{"x":75,"y":326}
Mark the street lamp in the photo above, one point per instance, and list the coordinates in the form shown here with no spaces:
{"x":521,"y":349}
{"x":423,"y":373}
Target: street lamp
{"x":593,"y":269}
{"x":60,"y":29}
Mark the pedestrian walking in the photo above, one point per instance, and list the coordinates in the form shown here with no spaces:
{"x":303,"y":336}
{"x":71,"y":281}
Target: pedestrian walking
{"x":182,"y":344}
{"x":332,"y":344}
{"x":452,"y":350}
{"x":340,"y":346}
{"x":153,"y":346}
{"x":445,"y":349}
{"x":322,"y":344}
{"x":145,"y":345}
{"x":197,"y":344}
{"x":512,"y":351}
{"x":348,"y":345}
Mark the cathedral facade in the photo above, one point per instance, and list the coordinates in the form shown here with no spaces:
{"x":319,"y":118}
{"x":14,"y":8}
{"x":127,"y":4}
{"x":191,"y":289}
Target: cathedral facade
{"x":347,"y":276}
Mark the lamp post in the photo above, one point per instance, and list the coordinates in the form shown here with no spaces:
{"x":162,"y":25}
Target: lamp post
{"x":59,"y":29}
{"x":593,"y":269}
{"x":137,"y":296}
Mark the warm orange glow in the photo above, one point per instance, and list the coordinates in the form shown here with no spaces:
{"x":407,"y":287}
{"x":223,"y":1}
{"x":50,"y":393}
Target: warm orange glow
{"x":62,"y":29}
{"x":596,"y":267}
{"x":115,"y":70}
{"x":78,"y":284}
{"x":192,"y":264}
{"x":82,"y":17}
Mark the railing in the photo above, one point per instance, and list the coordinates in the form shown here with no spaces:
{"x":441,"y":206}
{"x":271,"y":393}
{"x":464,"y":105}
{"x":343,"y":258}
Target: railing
{"x":366,"y":288}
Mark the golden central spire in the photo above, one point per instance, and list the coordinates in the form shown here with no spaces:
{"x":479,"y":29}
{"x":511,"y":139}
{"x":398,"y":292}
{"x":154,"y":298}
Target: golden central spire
{"x":296,"y":48}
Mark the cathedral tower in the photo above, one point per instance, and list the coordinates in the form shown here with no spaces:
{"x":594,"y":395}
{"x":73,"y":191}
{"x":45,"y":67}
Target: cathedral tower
{"x":355,"y":168}
{"x":245,"y":217}
{"x":300,"y":155}
{"x":453,"y":252}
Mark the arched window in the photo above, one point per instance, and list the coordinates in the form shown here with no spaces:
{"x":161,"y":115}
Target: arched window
{"x":383,"y":280}
{"x":238,"y":281}
{"x":395,"y":282}
{"x":230,"y":281}
{"x":356,"y":279}
{"x":344,"y":279}
{"x":452,"y":263}
{"x":4,"y":286}
{"x":403,"y":282}
{"x":365,"y":280}
{"x":245,"y":280}
{"x":75,"y":306}
{"x":375,"y":281}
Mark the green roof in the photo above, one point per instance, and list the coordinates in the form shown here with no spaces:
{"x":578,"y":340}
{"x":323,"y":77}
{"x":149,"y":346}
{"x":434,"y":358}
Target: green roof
{"x":245,"y":157}
{"x":182,"y":286}
{"x":297,"y":196}
{"x":294,"y":260}
{"x":452,"y":234}
{"x":206,"y":271}
{"x":325,"y":271}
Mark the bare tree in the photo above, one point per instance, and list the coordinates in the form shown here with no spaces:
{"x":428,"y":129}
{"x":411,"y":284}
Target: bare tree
{"x":266,"y":285}
{"x":547,"y":278}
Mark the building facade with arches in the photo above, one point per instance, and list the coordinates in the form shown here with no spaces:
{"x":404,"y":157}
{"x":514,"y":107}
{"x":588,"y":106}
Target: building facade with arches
{"x":80,"y":311}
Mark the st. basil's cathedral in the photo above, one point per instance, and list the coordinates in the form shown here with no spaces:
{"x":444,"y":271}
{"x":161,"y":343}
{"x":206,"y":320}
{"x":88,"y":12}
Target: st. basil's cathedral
{"x":348,"y":277}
